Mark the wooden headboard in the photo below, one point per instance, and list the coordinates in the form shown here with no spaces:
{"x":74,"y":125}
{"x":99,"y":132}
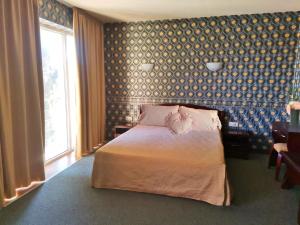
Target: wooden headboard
{"x":221,"y":114}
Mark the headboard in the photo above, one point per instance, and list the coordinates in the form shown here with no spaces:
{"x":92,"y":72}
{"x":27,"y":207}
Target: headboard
{"x":221,"y":114}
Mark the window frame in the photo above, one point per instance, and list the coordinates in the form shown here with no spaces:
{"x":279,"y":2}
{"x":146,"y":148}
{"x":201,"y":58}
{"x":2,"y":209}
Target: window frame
{"x":64,"y":31}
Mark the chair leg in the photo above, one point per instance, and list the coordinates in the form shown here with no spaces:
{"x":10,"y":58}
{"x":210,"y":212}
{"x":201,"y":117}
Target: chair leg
{"x":287,"y":184}
{"x":278,"y":165}
{"x":272,"y":158}
{"x":287,"y":181}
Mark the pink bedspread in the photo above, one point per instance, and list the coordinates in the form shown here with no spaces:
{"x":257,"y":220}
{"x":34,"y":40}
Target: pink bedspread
{"x":152,"y":159}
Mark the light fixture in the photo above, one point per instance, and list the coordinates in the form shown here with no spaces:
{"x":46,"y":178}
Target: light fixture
{"x":129,"y":120}
{"x":214,"y":66}
{"x":147,"y":67}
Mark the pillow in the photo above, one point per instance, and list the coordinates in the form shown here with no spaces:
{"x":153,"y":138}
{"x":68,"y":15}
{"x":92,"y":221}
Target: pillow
{"x":178,"y":123}
{"x":202,"y":119}
{"x":155,"y":115}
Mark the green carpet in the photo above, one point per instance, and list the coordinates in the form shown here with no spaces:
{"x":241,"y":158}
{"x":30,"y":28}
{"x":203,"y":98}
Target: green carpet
{"x":68,"y":199}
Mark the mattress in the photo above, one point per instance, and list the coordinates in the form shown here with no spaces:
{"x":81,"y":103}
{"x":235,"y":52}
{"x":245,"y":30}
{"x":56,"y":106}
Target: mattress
{"x":153,"y":160}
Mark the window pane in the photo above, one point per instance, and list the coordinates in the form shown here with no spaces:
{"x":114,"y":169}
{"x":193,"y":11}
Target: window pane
{"x":56,"y":135}
{"x":72,"y":75}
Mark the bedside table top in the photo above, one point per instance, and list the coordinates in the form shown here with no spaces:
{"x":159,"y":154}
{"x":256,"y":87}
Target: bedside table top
{"x":237,"y":133}
{"x":123,"y":126}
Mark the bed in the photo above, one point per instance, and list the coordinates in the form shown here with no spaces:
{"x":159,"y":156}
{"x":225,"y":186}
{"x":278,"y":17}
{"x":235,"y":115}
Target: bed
{"x":153,"y":160}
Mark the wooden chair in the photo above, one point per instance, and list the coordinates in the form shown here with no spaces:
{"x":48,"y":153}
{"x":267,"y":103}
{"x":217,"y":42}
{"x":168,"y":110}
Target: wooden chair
{"x":276,"y":151}
{"x":279,"y":135}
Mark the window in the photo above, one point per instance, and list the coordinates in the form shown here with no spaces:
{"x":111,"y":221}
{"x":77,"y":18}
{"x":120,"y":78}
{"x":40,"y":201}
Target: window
{"x":59,"y":73}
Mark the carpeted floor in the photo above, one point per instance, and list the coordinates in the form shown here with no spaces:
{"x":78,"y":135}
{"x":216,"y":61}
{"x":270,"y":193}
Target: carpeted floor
{"x":68,"y":199}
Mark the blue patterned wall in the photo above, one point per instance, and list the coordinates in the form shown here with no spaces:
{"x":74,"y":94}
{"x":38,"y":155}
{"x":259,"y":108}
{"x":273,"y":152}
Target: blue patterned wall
{"x":56,"y":12}
{"x":258,"y":52}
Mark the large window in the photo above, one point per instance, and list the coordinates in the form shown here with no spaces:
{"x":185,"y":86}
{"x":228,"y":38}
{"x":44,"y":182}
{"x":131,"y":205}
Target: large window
{"x":59,"y":72}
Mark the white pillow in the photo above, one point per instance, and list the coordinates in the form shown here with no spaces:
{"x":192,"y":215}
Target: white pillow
{"x":202,"y":119}
{"x":155,"y":115}
{"x":179,"y":124}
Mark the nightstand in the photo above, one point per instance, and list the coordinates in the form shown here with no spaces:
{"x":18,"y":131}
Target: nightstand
{"x":236,"y":144}
{"x":120,"y":129}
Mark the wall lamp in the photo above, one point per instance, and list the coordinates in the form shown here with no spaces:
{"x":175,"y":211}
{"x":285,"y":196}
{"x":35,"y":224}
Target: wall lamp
{"x":214,"y":66}
{"x":147,"y":67}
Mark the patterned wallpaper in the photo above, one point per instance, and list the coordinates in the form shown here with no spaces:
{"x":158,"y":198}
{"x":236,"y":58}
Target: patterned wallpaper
{"x":56,"y":12}
{"x":258,"y":53}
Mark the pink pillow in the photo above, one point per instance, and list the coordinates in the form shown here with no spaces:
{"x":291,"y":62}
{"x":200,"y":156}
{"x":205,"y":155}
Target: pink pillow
{"x":202,"y":119}
{"x":155,"y":115}
{"x":178,"y":123}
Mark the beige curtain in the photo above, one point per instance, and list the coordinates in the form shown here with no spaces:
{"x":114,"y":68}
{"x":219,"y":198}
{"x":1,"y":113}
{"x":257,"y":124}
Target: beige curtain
{"x":21,"y":97}
{"x":2,"y":196}
{"x":90,"y":57}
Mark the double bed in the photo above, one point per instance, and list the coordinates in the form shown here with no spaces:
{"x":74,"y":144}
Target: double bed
{"x":153,"y":160}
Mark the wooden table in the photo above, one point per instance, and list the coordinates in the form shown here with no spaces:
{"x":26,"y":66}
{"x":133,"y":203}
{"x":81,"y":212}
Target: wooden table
{"x":294,"y":138}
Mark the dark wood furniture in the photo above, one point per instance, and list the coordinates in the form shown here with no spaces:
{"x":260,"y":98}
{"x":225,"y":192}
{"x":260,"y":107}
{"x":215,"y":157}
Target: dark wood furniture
{"x":292,"y":158}
{"x":236,"y":144}
{"x":280,"y":132}
{"x":120,"y":129}
{"x":292,"y":176}
{"x":294,"y":138}
{"x":279,"y":135}
{"x":283,"y":133}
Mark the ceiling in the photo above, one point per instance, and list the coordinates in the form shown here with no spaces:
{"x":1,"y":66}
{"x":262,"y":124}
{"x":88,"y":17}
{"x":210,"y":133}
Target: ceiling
{"x":141,"y":10}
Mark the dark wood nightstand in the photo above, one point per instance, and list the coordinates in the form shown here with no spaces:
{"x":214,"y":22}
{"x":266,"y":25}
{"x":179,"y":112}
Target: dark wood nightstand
{"x":236,"y":144}
{"x":120,"y":129}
